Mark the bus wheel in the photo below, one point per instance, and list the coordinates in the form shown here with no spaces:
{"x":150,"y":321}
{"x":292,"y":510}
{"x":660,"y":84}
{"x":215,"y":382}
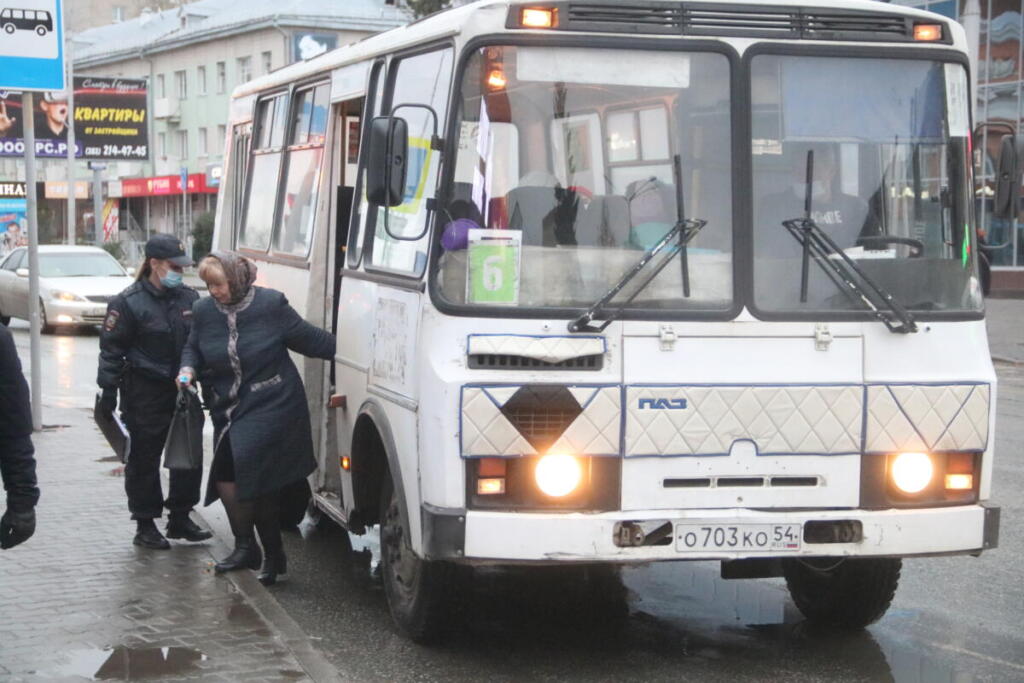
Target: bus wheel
{"x":845,"y":593}
{"x":417,"y":590}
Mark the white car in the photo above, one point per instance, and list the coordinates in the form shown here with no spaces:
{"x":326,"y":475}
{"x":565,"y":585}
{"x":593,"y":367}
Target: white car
{"x":75,"y":284}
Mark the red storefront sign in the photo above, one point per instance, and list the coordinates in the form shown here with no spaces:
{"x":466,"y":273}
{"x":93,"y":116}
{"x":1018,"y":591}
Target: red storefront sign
{"x":164,"y":185}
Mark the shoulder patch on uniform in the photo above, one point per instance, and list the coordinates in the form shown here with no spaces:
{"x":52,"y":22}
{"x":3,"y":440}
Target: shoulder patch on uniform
{"x":110,"y":322}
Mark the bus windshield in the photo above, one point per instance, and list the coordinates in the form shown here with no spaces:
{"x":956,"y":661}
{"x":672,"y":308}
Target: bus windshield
{"x":566,"y":175}
{"x":883,"y":147}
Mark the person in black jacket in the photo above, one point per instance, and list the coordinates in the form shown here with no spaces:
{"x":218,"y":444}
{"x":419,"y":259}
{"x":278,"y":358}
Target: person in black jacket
{"x":140,"y":347}
{"x":17,"y":464}
{"x":239,"y":345}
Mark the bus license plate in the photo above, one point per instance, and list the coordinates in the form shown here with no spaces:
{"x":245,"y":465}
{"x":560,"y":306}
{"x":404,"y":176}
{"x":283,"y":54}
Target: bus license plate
{"x":741,"y":537}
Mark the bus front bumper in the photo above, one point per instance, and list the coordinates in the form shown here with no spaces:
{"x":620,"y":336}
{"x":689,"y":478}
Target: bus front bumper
{"x":540,"y":537}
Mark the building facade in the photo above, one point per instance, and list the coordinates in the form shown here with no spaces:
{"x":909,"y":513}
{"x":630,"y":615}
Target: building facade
{"x":192,"y":56}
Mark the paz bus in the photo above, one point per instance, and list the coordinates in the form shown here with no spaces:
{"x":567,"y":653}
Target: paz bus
{"x":634,"y":282}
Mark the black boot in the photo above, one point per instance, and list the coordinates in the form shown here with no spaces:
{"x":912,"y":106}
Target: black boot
{"x":246,"y":555}
{"x":274,"y":568}
{"x":180,"y":525}
{"x":148,"y":536}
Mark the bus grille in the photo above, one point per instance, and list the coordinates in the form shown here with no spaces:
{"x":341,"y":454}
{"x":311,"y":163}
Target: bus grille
{"x":696,"y":19}
{"x":505,"y":361}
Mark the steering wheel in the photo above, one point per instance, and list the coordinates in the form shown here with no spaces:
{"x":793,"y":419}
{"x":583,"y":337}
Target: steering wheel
{"x":878,"y":241}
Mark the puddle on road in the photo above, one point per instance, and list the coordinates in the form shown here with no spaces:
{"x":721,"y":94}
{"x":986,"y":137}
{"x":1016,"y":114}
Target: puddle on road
{"x":131,"y":664}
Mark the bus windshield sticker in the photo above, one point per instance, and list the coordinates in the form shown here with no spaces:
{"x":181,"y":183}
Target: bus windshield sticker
{"x":956,"y":101}
{"x":493,"y":273}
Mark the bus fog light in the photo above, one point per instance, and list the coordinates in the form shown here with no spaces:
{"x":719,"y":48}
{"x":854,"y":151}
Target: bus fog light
{"x":558,"y":475}
{"x":493,"y":486}
{"x":959,"y":482}
{"x":912,"y":472}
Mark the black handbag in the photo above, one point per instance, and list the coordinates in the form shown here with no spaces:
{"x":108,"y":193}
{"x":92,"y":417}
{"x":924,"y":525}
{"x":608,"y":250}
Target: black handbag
{"x":183,"y":449}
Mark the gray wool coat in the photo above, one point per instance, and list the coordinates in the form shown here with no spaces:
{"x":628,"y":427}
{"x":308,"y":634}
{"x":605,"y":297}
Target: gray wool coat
{"x":258,"y":400}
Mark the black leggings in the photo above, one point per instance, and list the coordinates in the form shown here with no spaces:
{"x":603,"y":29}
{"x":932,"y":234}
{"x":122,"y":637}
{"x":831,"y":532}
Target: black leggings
{"x":263,"y":512}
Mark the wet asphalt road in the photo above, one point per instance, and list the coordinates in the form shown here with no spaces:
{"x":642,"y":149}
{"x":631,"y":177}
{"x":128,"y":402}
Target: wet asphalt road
{"x":953,"y":619}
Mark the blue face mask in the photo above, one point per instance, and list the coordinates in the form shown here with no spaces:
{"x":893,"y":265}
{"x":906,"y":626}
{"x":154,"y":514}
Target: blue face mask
{"x":172,"y":280}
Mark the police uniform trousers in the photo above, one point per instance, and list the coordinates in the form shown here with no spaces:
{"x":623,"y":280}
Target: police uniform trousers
{"x":148,"y":404}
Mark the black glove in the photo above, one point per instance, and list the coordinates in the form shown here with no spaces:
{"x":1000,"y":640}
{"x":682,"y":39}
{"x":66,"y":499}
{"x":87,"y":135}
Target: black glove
{"x":108,"y":402}
{"x":16,"y":527}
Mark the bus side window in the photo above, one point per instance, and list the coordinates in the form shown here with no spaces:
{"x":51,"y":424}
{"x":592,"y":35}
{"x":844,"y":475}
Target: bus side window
{"x":241,"y":140}
{"x":361,"y":215}
{"x":303,"y":164}
{"x":422,"y":79}
{"x":258,"y":217}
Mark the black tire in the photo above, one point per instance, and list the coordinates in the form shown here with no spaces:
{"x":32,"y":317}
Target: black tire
{"x":843,"y":593}
{"x":44,"y":327}
{"x":40,"y":30}
{"x":9,"y":28}
{"x":419,"y":592}
{"x":5,"y":320}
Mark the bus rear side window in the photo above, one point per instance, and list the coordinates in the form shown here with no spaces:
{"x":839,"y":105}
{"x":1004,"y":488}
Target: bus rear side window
{"x":258,"y":222}
{"x":303,"y":175}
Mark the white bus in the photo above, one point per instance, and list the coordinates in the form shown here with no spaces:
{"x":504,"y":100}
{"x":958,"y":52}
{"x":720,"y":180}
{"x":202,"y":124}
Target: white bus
{"x":633,"y":282}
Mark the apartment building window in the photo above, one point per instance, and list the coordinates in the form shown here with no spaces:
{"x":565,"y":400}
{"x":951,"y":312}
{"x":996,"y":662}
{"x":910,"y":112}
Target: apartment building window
{"x":118,"y":13}
{"x":267,"y":60}
{"x":201,"y":80}
{"x":202,"y":143}
{"x":161,"y":88}
{"x":183,"y":144}
{"x":161,"y":144}
{"x":181,"y":84}
{"x":222,"y":133}
{"x":222,"y":78}
{"x":244,"y":69}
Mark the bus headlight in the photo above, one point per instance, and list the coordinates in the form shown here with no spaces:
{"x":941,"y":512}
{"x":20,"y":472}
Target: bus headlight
{"x":912,"y":472}
{"x":558,"y":475}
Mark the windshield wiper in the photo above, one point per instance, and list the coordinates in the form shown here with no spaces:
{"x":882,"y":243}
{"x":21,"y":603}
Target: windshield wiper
{"x":843,"y":271}
{"x":683,"y":231}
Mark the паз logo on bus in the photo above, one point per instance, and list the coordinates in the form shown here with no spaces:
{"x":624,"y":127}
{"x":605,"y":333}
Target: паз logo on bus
{"x":663,"y":403}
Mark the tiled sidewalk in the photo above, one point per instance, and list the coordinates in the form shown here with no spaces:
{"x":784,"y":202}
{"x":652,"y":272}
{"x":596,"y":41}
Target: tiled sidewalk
{"x":79,"y":602}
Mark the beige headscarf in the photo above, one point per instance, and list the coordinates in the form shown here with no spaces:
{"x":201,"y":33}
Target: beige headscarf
{"x":239,"y":271}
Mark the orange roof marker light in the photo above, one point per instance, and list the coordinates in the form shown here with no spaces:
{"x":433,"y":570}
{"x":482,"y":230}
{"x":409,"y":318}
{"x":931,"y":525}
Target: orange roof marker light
{"x":531,"y":17}
{"x":927,"y":33}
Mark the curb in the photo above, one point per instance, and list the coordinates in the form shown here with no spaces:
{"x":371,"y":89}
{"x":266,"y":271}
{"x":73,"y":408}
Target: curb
{"x":292,"y":636}
{"x":1003,"y":360}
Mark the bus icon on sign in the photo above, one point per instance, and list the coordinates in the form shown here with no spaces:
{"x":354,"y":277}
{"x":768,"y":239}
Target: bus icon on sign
{"x":13,"y":19}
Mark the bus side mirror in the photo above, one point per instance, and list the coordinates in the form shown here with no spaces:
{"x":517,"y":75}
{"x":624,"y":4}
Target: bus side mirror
{"x":388,"y":161}
{"x":1008,"y":178}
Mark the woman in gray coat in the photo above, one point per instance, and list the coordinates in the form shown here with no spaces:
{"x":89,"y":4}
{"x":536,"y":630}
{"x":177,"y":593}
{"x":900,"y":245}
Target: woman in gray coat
{"x":239,"y":345}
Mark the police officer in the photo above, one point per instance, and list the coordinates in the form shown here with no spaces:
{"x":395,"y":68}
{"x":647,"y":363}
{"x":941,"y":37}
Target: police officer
{"x":17,"y":461}
{"x":140,"y":348}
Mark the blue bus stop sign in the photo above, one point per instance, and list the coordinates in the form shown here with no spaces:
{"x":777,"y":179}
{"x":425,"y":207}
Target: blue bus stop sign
{"x":31,"y":45}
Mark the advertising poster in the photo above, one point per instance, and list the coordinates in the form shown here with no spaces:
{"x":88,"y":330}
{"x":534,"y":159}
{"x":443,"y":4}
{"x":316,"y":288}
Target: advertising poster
{"x":308,"y":45}
{"x":110,"y":119}
{"x":13,"y":221}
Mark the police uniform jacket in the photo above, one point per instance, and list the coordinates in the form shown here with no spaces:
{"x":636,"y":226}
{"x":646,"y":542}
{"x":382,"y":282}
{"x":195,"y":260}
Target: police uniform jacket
{"x":144,"y":332}
{"x":17,"y":464}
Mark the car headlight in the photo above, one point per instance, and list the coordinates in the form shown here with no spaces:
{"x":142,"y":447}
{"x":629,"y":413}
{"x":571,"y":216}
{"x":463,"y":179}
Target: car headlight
{"x":912,"y":472}
{"x":66,"y":296}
